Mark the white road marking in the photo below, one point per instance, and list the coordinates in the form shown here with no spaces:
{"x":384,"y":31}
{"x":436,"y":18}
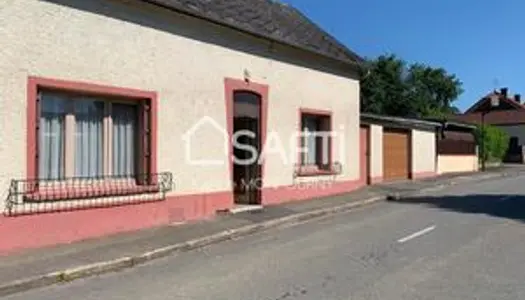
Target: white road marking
{"x":416,"y":234}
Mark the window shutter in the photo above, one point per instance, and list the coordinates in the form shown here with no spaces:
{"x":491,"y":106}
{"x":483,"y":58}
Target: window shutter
{"x":33,"y":186}
{"x":37,"y":128}
{"x":324,"y":151}
{"x":144,"y":176}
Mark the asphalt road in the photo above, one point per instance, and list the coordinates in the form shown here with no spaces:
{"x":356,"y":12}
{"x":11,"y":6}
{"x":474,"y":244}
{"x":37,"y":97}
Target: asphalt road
{"x":466,"y":242}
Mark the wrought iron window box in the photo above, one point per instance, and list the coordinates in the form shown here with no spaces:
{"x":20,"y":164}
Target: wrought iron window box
{"x":95,"y":191}
{"x":44,"y":195}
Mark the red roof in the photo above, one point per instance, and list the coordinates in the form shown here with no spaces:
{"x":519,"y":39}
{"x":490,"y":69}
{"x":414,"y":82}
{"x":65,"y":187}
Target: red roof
{"x":508,"y":112}
{"x":501,"y":117}
{"x":485,"y":101}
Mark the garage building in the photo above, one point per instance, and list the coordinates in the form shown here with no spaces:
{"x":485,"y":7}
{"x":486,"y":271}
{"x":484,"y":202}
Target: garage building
{"x":395,"y":148}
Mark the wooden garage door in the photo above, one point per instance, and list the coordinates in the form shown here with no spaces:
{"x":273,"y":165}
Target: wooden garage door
{"x":395,"y":154}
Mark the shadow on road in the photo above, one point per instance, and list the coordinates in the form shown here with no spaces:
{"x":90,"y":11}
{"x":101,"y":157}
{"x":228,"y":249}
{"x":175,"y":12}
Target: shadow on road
{"x":503,"y":206}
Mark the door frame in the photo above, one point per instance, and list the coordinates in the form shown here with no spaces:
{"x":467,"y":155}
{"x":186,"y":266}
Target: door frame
{"x":231,"y":86}
{"x":367,"y":180}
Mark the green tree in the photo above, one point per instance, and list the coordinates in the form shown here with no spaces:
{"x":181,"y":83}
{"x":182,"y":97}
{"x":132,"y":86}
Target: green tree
{"x":383,"y":87}
{"x":432,"y":90}
{"x":390,"y":87}
{"x":493,"y":143}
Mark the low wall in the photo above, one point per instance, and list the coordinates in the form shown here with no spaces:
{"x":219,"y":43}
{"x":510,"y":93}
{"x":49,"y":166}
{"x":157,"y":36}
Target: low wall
{"x":457,"y":163}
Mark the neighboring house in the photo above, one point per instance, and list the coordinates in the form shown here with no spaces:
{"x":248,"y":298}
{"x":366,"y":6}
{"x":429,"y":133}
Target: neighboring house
{"x":509,"y":116}
{"x":96,"y":97}
{"x":394,"y":148}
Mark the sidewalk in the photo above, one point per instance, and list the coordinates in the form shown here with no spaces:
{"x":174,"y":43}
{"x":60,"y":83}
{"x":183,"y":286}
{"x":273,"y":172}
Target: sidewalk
{"x":40,"y":267}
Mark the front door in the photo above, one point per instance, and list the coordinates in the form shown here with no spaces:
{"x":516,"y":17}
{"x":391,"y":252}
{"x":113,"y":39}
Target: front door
{"x":246,"y":148}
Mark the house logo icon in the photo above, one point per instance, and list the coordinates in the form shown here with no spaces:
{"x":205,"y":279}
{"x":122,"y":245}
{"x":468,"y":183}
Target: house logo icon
{"x":204,"y":124}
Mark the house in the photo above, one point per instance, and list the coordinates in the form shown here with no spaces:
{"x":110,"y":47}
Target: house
{"x":394,"y":148}
{"x":509,"y":116}
{"x":98,"y":95}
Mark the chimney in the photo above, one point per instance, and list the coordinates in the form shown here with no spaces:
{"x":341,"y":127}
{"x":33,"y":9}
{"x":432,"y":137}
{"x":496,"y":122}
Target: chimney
{"x":504,"y":92}
{"x":517,"y":98}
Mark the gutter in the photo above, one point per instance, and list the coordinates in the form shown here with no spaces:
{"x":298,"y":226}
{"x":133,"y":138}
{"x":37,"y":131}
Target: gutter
{"x":371,"y":118}
{"x":458,"y":124}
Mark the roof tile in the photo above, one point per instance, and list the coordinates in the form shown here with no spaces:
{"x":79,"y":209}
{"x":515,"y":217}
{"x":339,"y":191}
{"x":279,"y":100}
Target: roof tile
{"x":267,"y":18}
{"x":502,"y":117}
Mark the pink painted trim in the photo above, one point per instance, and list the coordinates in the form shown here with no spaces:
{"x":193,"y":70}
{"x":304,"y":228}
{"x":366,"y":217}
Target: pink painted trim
{"x":153,"y":98}
{"x":310,"y":190}
{"x":314,"y":112}
{"x":90,"y":88}
{"x":66,"y":227}
{"x":31,"y":123}
{"x":34,"y":83}
{"x":230,"y":87}
{"x":421,"y":175}
{"x":40,"y":230}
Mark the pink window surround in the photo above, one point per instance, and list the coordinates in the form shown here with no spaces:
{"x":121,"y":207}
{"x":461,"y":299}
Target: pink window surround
{"x":126,"y":94}
{"x":313,"y":170}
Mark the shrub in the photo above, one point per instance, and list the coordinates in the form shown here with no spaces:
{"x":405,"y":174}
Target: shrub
{"x":494,"y":145}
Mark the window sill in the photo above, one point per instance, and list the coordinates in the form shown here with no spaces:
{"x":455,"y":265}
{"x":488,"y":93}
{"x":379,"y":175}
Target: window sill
{"x":72,"y":193}
{"x":311,"y":173}
{"x":315,"y":170}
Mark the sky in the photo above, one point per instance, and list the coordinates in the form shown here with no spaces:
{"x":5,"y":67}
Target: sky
{"x":482,"y":42}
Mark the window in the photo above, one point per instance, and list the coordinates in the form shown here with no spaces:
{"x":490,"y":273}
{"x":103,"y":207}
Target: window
{"x":124,"y":132}
{"x":90,"y":136}
{"x":52,"y":135}
{"x":88,"y":115}
{"x":315,"y":141}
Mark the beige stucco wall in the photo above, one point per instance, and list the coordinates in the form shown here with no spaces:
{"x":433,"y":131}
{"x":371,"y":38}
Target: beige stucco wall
{"x":457,"y":163}
{"x":423,"y":151}
{"x":184,"y":60}
{"x":376,"y":151}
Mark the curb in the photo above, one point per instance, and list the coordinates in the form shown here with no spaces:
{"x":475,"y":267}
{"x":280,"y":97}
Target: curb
{"x":68,"y":275}
{"x":452,"y":182}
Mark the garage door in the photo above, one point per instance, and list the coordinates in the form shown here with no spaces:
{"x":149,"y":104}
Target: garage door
{"x":395,"y":154}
